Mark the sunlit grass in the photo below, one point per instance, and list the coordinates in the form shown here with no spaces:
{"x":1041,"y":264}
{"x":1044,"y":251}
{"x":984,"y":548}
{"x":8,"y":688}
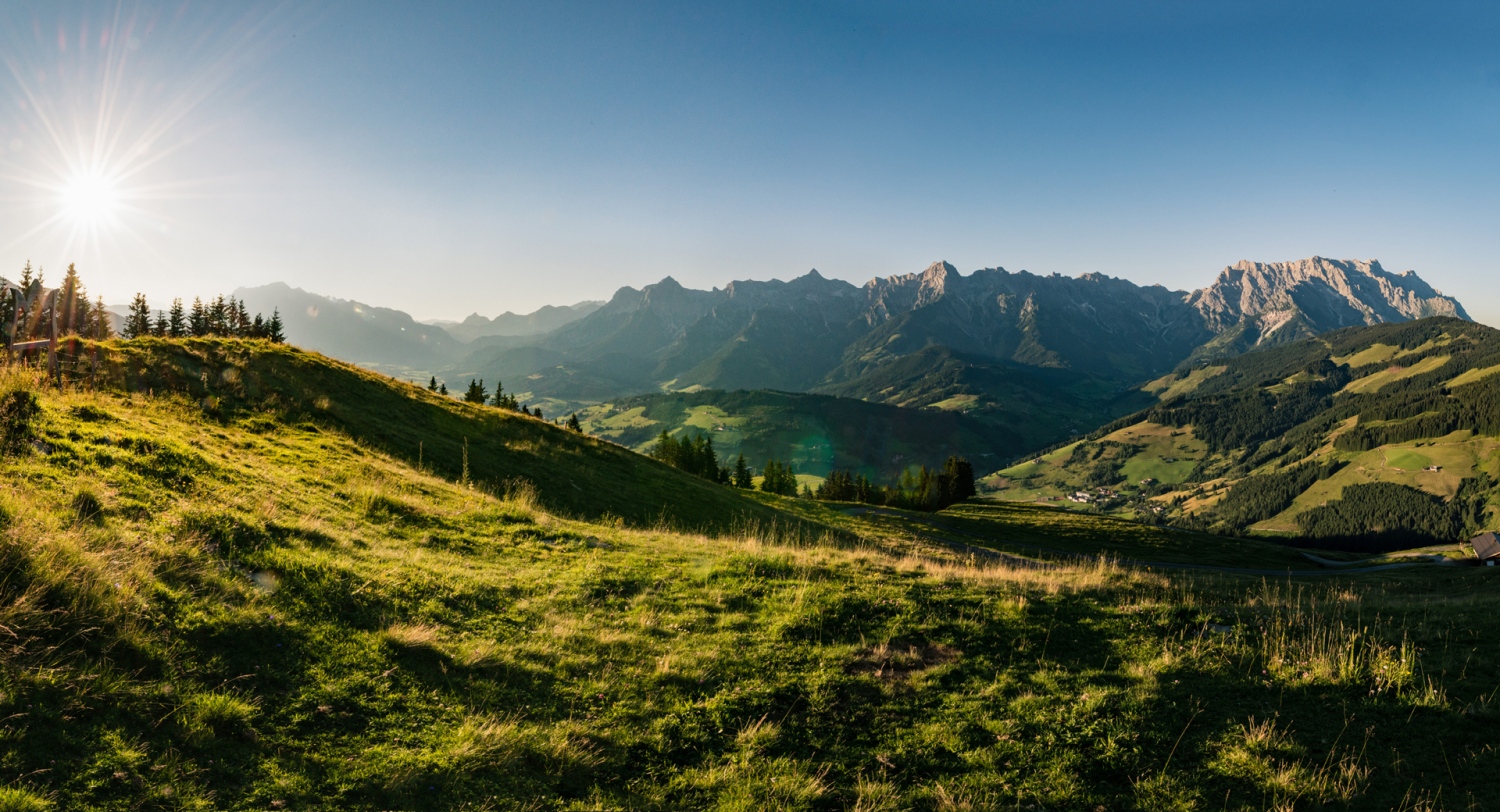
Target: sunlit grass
{"x":270,"y":611}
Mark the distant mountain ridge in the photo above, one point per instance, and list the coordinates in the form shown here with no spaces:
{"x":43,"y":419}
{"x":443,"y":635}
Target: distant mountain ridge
{"x":815,"y":332}
{"x":542,"y":320}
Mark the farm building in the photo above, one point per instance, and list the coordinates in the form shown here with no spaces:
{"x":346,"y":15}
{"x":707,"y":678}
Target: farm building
{"x":1487,"y":548}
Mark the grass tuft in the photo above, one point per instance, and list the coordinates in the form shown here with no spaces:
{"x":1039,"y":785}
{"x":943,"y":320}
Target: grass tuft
{"x":14,"y":799}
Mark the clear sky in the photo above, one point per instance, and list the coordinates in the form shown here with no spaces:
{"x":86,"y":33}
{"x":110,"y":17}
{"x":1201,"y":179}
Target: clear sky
{"x":445,"y":158}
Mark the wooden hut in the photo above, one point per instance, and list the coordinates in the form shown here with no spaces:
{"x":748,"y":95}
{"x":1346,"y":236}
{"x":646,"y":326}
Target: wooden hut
{"x":1486,"y":548}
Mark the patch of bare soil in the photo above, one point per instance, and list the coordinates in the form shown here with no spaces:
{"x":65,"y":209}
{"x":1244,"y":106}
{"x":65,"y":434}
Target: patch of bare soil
{"x":899,"y":660}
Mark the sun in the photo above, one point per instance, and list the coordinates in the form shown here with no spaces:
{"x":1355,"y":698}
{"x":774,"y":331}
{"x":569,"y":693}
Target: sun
{"x":89,"y":199}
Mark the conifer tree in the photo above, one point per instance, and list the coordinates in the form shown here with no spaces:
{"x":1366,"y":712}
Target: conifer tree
{"x":432,"y":384}
{"x":198,"y":319}
{"x":742,"y":477}
{"x":177,"y":326}
{"x":242,"y":316}
{"x":98,"y":325}
{"x":218,"y":317}
{"x":443,"y":389}
{"x":138,"y":323}
{"x":258,"y":327}
{"x":574,"y":425}
{"x":72,"y":303}
{"x":536,"y":411}
{"x":160,"y":327}
{"x":476,"y":393}
{"x":770,"y":475}
{"x":274,"y":332}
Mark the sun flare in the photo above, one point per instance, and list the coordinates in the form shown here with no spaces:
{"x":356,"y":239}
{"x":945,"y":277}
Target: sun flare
{"x":90,"y":198}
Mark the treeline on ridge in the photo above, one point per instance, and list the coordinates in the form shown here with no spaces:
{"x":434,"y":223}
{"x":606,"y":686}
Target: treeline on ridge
{"x":219,"y":318}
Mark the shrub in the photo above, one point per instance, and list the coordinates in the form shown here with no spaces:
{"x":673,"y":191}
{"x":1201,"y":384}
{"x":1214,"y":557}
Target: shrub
{"x":18,"y":413}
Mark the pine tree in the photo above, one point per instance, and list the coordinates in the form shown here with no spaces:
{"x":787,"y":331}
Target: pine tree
{"x":742,"y":476}
{"x":770,"y":475}
{"x":956,"y":482}
{"x":258,"y":327}
{"x":72,"y":302}
{"x":536,"y":411}
{"x":476,"y":393}
{"x":432,"y":384}
{"x":242,"y":317}
{"x":138,"y":323}
{"x":274,"y":332}
{"x":574,"y":425}
{"x":218,"y":317}
{"x":198,"y":319}
{"x":176,"y":323}
{"x":160,"y":327}
{"x":443,"y":389}
{"x":26,"y":279}
{"x":98,"y":325}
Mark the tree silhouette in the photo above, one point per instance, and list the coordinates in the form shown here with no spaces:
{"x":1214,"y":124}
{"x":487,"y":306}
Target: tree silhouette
{"x":138,"y":322}
{"x":476,"y":393}
{"x":176,"y":323}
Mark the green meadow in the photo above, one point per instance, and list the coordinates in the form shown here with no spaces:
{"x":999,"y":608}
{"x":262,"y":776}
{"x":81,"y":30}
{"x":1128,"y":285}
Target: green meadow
{"x":241,"y":576}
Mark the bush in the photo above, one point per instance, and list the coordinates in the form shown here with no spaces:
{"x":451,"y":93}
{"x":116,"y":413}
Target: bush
{"x":18,"y":413}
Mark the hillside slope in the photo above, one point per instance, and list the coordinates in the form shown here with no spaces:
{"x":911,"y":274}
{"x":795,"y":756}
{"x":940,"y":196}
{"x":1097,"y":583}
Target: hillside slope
{"x":815,"y":433}
{"x":224,"y":600}
{"x":572,"y":474}
{"x":1366,"y":438}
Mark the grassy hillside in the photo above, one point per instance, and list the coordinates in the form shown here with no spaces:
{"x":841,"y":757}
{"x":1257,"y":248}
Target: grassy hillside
{"x":254,"y":599}
{"x":1370,"y":438}
{"x":253,"y":385}
{"x":816,"y":433}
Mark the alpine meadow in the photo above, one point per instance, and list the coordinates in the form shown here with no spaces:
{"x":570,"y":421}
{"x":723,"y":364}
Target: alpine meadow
{"x":433,"y":407}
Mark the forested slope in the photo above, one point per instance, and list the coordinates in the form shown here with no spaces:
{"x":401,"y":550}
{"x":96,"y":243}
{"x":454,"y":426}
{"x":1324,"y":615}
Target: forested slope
{"x":1370,"y":437}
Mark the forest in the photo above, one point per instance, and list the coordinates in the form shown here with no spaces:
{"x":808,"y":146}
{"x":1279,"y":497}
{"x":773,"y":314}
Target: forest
{"x":1383,"y":516}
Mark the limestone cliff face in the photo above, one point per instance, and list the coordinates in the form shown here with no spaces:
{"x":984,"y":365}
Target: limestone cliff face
{"x":1285,"y":301}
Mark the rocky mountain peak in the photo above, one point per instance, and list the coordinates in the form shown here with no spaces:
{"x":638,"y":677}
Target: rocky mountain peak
{"x":1315,"y":295}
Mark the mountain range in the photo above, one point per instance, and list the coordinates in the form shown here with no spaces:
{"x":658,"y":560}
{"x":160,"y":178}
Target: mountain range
{"x":542,"y":320}
{"x":1045,"y":355}
{"x":1038,"y":357}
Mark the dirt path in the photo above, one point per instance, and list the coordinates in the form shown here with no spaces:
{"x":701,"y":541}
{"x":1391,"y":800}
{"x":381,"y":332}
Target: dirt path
{"x":1335,"y":568}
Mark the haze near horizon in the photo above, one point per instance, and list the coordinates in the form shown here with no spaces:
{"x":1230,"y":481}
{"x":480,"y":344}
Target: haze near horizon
{"x":453,"y":158}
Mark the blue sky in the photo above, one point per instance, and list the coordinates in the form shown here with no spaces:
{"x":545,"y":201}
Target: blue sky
{"x":448,"y":158}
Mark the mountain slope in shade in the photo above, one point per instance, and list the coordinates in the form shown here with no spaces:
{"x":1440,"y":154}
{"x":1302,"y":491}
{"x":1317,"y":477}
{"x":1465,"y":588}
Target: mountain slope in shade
{"x":815,"y":433}
{"x":376,"y":337}
{"x":542,"y":320}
